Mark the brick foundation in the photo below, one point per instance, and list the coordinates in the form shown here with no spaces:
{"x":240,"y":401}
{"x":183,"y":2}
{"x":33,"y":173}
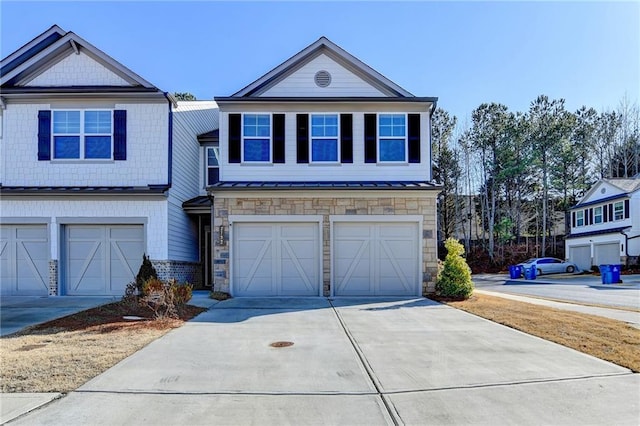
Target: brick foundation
{"x":182,"y":271}
{"x":53,"y":277}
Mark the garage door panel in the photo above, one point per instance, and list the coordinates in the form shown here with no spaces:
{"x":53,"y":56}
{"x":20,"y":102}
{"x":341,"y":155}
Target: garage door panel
{"x":24,"y":260}
{"x":101,"y":259}
{"x":581,"y":256}
{"x":375,"y":259}
{"x":607,"y":253}
{"x":276,"y":259}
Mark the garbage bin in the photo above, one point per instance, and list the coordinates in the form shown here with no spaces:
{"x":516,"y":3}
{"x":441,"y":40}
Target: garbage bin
{"x":615,"y":273}
{"x":515,"y":271}
{"x":530,"y":273}
{"x":605,"y":273}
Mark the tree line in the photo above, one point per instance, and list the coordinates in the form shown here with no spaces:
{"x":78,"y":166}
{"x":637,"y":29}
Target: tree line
{"x":511,"y":174}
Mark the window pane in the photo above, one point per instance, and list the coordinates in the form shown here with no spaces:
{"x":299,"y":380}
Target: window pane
{"x":66,"y":121}
{"x":97,"y":147}
{"x":386,"y":120}
{"x":213,"y":175}
{"x":250,"y":120}
{"x":317,"y":130}
{"x":317,"y":120}
{"x":97,"y":121}
{"x":256,"y":150}
{"x":263,"y":120}
{"x":324,"y":150}
{"x":66,"y":147}
{"x":392,"y":150}
{"x":212,"y":157}
{"x":263,"y":131}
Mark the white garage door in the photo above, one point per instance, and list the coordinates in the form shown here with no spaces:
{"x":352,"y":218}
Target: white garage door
{"x":276,"y":259}
{"x":606,"y":253}
{"x":581,"y":256}
{"x":24,"y":260}
{"x":101,"y":259}
{"x":376,"y":259}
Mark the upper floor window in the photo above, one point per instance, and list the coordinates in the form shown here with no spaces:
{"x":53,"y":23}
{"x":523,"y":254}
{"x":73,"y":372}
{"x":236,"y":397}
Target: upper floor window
{"x":618,"y":210}
{"x":580,"y":218}
{"x":212,"y":165}
{"x":82,"y":134}
{"x":324,"y":138}
{"x":257,"y":137}
{"x":392,"y":141}
{"x":597,"y":215}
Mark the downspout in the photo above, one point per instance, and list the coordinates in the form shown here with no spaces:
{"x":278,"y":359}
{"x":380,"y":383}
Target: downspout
{"x":626,"y":244}
{"x":172,"y":103}
{"x":433,"y":109}
{"x":212,"y":242}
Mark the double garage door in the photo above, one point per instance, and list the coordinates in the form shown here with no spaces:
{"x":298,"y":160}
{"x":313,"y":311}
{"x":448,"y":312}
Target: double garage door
{"x":95,"y":259}
{"x":286,"y":259}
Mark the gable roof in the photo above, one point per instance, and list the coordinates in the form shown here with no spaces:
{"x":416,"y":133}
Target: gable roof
{"x":627,"y":186}
{"x":49,"y":48}
{"x":322,"y":46}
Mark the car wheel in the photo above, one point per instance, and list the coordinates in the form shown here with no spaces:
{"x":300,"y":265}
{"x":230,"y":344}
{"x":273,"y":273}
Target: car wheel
{"x":570,"y":269}
{"x":538,"y":271}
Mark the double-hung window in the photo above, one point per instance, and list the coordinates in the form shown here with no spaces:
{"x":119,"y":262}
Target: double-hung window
{"x":618,"y":210}
{"x":82,"y":134}
{"x":597,"y":215}
{"x":256,"y":138}
{"x":324,"y":138}
{"x":212,"y":165}
{"x":580,"y":218}
{"x":392,"y":140}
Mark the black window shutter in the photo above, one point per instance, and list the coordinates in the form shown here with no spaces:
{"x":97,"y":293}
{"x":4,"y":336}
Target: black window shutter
{"x":590,"y":216}
{"x":346,"y":138}
{"x":573,"y":219}
{"x":278,"y":138}
{"x":370,"y":138}
{"x":302,"y":137}
{"x":414,"y":137}
{"x":235,"y":143}
{"x":120,"y":134}
{"x":604,"y":213}
{"x":44,"y":135}
{"x":610,"y":212}
{"x":626,"y":209}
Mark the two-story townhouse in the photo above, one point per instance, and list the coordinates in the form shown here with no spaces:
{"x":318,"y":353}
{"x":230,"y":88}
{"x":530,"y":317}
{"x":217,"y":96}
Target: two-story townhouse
{"x":95,"y":165}
{"x":325,"y":183}
{"x":605,"y":224}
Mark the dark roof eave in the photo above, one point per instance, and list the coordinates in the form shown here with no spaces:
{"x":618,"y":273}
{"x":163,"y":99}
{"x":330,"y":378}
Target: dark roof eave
{"x":84,"y":190}
{"x":293,"y":186}
{"x":601,"y":200}
{"x":78,"y":90}
{"x":416,"y":99}
{"x":598,"y":232}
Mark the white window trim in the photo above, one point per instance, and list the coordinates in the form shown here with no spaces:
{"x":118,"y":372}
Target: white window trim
{"x":578,"y":218}
{"x":338,"y":147}
{"x":206,"y":163}
{"x":242,"y":138}
{"x":406,"y":138}
{"x":621,"y":211}
{"x":81,"y":135}
{"x":596,"y":215}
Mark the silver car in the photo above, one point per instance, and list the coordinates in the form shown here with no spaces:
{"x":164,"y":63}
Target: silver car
{"x":549,"y":265}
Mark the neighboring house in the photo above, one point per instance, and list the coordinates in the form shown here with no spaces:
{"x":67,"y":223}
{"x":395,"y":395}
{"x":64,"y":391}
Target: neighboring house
{"x":95,"y":165}
{"x":325,"y":183}
{"x":605,"y":224}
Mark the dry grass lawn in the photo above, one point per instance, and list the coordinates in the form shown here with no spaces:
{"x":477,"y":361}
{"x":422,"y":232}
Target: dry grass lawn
{"x":603,"y":338}
{"x":61,"y":355}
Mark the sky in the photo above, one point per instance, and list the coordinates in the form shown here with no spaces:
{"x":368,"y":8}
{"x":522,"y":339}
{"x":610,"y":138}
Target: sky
{"x":464,"y":53}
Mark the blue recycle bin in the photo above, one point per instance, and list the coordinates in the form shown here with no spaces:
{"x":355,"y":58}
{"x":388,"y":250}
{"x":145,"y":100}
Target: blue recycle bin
{"x":530,"y":273}
{"x":515,"y":271}
{"x":607,"y":276}
{"x":615,"y":273}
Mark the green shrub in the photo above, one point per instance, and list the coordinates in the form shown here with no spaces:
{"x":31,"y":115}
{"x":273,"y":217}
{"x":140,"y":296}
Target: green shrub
{"x":455,"y":279}
{"x":145,"y":273}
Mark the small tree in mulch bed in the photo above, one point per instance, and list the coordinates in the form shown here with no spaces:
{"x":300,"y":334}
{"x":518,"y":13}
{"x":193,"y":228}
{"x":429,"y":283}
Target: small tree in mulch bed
{"x":145,"y":273}
{"x":455,"y":280}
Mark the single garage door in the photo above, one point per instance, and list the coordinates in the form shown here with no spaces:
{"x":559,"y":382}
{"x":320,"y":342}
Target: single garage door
{"x":581,"y":256}
{"x":376,"y":259}
{"x":606,"y":253}
{"x":24,"y":260}
{"x":101,"y":259}
{"x":276,"y":259}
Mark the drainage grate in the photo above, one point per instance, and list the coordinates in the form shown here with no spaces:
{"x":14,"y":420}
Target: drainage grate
{"x":281,"y":344}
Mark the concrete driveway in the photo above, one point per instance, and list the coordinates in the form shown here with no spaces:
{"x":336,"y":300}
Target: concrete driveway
{"x":353,"y":361}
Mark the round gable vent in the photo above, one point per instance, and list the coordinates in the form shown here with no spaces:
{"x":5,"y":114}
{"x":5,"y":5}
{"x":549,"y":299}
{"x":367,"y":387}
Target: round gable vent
{"x":322,"y":78}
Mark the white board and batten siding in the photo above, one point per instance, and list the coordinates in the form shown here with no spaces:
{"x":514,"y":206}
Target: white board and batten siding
{"x":343,"y":81}
{"x":190,"y":119}
{"x":276,"y":256}
{"x":356,"y":171}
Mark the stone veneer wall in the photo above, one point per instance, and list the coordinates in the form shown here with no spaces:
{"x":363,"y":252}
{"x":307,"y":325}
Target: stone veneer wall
{"x":425,"y":206}
{"x":182,"y":271}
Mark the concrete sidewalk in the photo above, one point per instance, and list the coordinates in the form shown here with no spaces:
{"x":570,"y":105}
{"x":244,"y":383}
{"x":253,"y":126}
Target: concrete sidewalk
{"x":352,"y":361}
